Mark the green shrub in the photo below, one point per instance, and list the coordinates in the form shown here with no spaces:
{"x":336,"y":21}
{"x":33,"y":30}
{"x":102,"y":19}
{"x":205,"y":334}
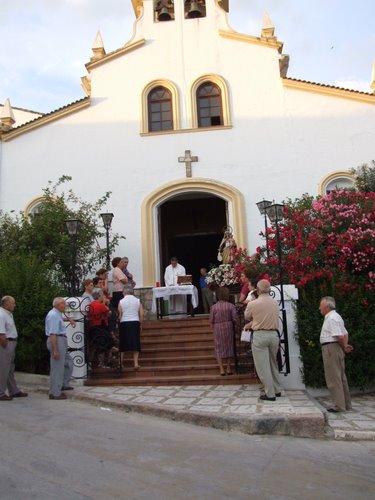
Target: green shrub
{"x":29,"y":281}
{"x":356,"y":306}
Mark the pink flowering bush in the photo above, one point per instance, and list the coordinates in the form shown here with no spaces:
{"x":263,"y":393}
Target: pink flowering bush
{"x":328,"y":248}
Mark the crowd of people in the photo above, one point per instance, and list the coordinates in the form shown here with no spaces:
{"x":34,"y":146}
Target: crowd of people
{"x":106,"y":314}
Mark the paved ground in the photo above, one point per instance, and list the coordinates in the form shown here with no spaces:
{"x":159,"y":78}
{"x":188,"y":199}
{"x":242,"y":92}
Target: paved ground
{"x":356,"y":424}
{"x":68,"y":450}
{"x":236,"y":408}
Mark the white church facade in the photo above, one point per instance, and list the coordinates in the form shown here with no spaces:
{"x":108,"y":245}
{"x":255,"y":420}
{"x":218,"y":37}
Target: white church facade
{"x":189,"y":124}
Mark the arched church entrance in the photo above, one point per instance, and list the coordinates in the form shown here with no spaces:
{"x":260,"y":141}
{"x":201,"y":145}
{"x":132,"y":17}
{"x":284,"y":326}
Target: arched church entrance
{"x":186,"y":217}
{"x":191,"y":228}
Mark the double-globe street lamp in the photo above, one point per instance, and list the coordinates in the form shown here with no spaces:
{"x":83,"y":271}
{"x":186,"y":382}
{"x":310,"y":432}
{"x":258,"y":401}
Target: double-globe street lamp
{"x":107,"y":222}
{"x":73,"y":226}
{"x":262,"y":205}
{"x":275,"y":213}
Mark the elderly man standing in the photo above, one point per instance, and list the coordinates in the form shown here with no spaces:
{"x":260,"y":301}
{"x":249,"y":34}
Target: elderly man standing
{"x":263,"y":314}
{"x":334,"y":341}
{"x":8,"y":344}
{"x":61,"y":362}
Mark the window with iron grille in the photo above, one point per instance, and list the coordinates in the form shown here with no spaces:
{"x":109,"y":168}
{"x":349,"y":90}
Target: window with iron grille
{"x":160,"y":110}
{"x":209,"y":105}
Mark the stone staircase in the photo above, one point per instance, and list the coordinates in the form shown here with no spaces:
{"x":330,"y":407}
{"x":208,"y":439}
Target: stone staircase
{"x":174,"y":352}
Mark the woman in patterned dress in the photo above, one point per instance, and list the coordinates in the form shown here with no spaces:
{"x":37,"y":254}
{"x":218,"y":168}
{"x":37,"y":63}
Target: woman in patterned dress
{"x":223,"y":319}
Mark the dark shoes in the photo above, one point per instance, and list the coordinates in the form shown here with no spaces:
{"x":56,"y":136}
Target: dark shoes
{"x":278,"y":394}
{"x":62,"y":396}
{"x":264,"y":397}
{"x":6,"y":398}
{"x":67,"y":388}
{"x":20,"y":394}
{"x":334,"y":410}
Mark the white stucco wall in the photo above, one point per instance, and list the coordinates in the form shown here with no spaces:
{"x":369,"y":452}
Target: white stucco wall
{"x":282,"y":143}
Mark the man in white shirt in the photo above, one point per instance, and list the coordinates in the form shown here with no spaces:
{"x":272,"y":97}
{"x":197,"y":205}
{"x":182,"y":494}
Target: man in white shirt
{"x":8,"y":344}
{"x":334,"y":341}
{"x":177,"y":304}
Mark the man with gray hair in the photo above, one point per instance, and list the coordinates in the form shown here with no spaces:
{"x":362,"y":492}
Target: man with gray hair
{"x":263,"y":314}
{"x":8,"y":344}
{"x":61,"y":364}
{"x":334,"y":342}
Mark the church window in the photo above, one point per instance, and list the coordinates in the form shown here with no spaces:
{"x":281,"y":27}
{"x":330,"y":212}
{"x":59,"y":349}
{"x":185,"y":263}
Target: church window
{"x":339,"y":183}
{"x":34,"y":207}
{"x":160,"y":116}
{"x":336,"y":180}
{"x":209,"y":105}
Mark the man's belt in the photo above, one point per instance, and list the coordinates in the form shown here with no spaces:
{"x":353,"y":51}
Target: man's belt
{"x":266,"y":330}
{"x":326,"y":343}
{"x":11,"y":339}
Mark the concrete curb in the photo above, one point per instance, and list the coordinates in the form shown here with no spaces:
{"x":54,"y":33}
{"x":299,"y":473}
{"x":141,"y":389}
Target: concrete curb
{"x":307,"y":425}
{"x":344,"y":435}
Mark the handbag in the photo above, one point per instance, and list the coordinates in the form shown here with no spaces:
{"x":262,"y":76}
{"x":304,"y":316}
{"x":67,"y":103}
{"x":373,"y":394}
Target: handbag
{"x":246,"y":335}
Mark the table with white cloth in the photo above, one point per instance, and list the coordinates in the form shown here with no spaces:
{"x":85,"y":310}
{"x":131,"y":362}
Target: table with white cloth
{"x":162,"y":292}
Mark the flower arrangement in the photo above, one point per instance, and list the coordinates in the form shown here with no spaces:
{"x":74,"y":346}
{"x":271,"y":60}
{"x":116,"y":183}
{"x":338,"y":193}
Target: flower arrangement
{"x":224,"y":275}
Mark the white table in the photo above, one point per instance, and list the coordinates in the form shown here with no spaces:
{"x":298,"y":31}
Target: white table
{"x":166,"y":291}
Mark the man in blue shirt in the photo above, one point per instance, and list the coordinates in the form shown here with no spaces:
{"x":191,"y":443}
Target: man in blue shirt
{"x":207,"y":295}
{"x":61,"y":362}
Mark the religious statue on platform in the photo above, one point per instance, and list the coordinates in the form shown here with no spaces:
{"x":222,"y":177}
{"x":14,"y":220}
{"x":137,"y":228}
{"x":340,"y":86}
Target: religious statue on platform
{"x":226,"y":246}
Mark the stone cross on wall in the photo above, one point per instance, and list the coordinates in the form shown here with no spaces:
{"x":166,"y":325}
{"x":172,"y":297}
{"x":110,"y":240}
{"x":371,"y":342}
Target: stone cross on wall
{"x":188,"y":160}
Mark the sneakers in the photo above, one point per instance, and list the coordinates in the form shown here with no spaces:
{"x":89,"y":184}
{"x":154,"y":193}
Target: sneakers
{"x":62,"y":396}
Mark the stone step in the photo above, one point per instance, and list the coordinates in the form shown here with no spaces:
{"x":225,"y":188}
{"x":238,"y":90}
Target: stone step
{"x":165,"y":332}
{"x":165,"y":324}
{"x":175,"y":360}
{"x":161,"y":343}
{"x":175,"y":351}
{"x":176,"y":336}
{"x":135,"y":379}
{"x":171,"y":370}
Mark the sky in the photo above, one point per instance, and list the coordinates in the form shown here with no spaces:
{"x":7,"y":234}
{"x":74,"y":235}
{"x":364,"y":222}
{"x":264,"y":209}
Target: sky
{"x":44,"y":44}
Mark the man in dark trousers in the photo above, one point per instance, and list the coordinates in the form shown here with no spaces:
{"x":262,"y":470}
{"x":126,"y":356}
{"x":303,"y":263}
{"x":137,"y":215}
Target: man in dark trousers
{"x":207,"y":294}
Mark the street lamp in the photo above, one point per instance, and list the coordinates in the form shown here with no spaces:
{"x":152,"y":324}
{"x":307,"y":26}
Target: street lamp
{"x":73,"y":226}
{"x":107,"y":221}
{"x":262,"y":205}
{"x":275,"y":213}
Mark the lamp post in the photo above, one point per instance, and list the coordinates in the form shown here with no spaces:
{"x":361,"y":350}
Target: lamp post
{"x":107,"y":221}
{"x":262,"y":205}
{"x":73,"y":226}
{"x":275,"y":213}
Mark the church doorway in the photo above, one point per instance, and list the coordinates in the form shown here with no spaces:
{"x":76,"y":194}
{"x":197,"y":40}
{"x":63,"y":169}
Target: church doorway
{"x":191,"y":228}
